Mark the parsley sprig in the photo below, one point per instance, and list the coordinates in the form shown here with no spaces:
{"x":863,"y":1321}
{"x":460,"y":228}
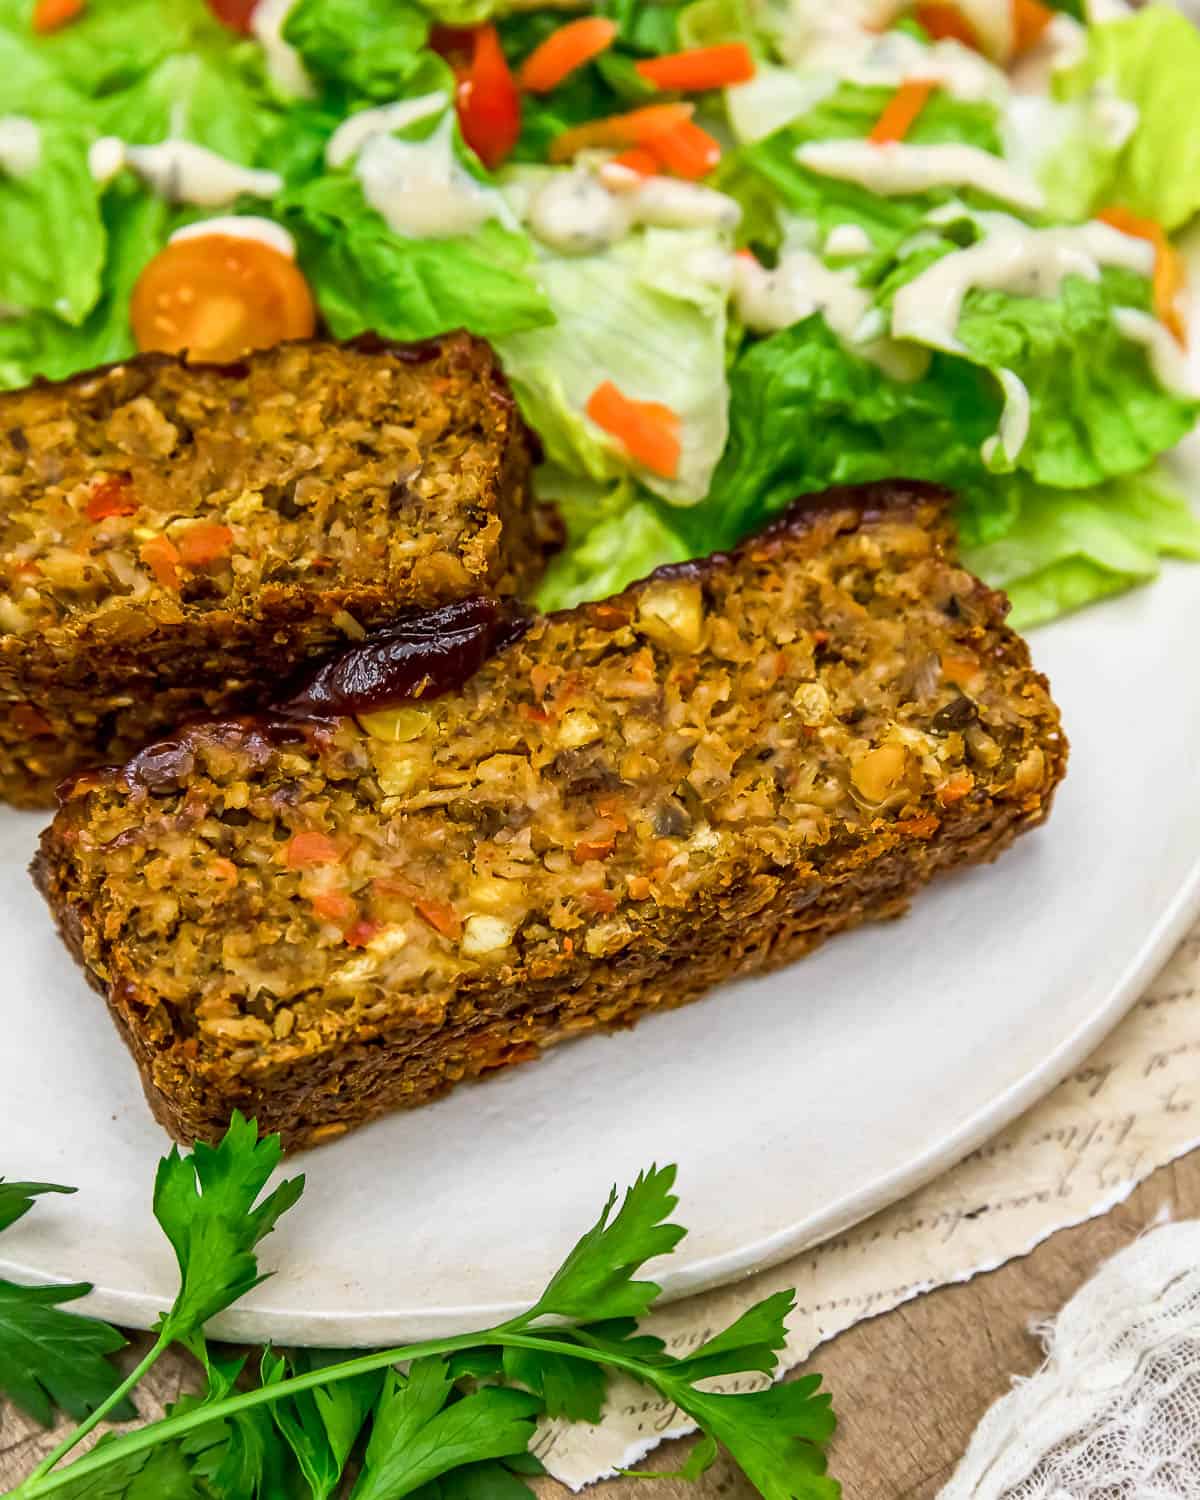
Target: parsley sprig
{"x":443,"y":1419}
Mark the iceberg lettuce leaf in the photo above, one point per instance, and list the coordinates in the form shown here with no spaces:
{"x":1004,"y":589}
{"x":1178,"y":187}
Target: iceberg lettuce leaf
{"x":1150,"y":60}
{"x":647,"y":315}
{"x":1064,"y":551}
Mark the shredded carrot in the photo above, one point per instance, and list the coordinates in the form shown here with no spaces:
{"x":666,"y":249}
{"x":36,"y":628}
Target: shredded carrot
{"x":360,"y":933}
{"x":225,"y":869}
{"x":441,"y":916}
{"x":1030,"y":19}
{"x":946,"y":22}
{"x":901,"y":111}
{"x":955,"y":788}
{"x":959,"y":669}
{"x":648,"y":430}
{"x":1169,"y":273}
{"x":636,"y":159}
{"x":49,"y":15}
{"x":111,"y":497}
{"x":919,"y":828}
{"x":332,"y":905}
{"x":564,"y":50}
{"x":592,"y":849}
{"x":700,"y":68}
{"x":161,"y":556}
{"x":311,"y":848}
{"x":686,"y":150}
{"x":599,"y":900}
{"x":639,"y":127}
{"x":612,"y":810}
{"x":204,"y":542}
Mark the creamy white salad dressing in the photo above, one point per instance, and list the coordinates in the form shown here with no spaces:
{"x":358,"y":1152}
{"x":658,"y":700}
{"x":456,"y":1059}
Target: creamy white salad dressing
{"x":827,"y":33}
{"x":421,"y":190}
{"x":1170,"y":365}
{"x":1011,"y":257}
{"x":1115,"y":118}
{"x":800,"y":285}
{"x":20,"y":145}
{"x":352,"y":134}
{"x":583,"y":211}
{"x":847,"y":239}
{"x":841,"y":40}
{"x":285,"y":67}
{"x":889,"y":60}
{"x":1014,"y":420}
{"x":182,"y":172}
{"x":106,"y":157}
{"x":241,"y":227}
{"x":896,"y":169}
{"x":1065,"y":41}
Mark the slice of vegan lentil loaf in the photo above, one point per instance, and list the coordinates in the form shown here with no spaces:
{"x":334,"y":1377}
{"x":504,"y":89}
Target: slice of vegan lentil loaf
{"x":175,"y":537}
{"x":346,"y":909}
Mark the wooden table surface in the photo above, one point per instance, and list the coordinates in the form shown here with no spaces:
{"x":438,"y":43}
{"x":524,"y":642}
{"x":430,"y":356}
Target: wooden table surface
{"x":909,"y":1385}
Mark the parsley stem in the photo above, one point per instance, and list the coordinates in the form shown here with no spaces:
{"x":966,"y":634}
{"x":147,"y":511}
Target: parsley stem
{"x":114,"y":1397}
{"x":40,"y":1482}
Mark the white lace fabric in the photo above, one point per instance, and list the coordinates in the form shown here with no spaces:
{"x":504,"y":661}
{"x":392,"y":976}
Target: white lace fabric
{"x":1114,"y":1413}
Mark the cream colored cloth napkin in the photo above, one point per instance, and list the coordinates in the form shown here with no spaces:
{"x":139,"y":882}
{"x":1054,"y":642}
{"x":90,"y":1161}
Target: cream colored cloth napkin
{"x":1115,"y":1410}
{"x":1134,"y":1106}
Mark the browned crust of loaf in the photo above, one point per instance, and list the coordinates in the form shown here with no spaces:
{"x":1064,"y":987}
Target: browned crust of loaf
{"x":760,"y":920}
{"x":365,"y":1080}
{"x":102,"y":688}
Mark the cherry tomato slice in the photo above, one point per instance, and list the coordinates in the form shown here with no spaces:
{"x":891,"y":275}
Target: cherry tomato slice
{"x":234,"y":13}
{"x":216,"y":298}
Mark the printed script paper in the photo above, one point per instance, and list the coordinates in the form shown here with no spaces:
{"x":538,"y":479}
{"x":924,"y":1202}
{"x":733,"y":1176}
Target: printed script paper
{"x":1134,"y":1106}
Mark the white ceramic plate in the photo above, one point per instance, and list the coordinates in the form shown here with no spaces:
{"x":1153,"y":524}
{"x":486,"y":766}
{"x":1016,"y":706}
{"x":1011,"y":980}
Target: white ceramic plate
{"x":794,"y":1104}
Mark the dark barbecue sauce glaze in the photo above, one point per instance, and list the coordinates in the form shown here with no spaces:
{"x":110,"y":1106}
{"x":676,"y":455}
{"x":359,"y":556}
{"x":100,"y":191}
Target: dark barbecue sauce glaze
{"x":421,"y":654}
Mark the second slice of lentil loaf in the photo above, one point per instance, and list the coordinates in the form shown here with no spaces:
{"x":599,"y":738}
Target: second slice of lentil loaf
{"x":705,"y":776}
{"x":176,"y":538}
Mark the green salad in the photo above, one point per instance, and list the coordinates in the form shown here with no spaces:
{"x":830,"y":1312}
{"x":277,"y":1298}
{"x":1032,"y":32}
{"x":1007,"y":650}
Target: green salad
{"x":729,"y":251}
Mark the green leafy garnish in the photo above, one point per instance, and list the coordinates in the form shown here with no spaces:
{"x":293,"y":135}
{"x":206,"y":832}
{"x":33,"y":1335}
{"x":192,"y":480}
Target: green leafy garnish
{"x":446,"y":1419}
{"x":205,"y":1203}
{"x":16,"y":1198}
{"x":596,"y":1279}
{"x":51,"y":1358}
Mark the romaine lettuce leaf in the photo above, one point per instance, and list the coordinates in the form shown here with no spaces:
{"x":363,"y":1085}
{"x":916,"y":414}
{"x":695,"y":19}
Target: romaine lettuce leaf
{"x":136,"y":226}
{"x":32,"y":85}
{"x":366,"y":277}
{"x":54,"y":237}
{"x":1097,"y":409}
{"x":805,"y":414}
{"x":615,"y":534}
{"x":197,"y":96}
{"x":1064,"y":551}
{"x":646,"y":315}
{"x":1151,"y":60}
{"x":366,"y":49}
{"x":113,"y":43}
{"x":826,"y":202}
